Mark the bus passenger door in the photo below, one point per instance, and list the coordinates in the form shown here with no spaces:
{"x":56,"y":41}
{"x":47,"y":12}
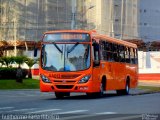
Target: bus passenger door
{"x":96,"y":67}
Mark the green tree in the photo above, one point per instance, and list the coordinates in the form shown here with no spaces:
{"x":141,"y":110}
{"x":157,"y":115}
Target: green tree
{"x":20,"y":60}
{"x":1,"y":62}
{"x":19,"y":74}
{"x":30,"y":62}
{"x":7,"y":61}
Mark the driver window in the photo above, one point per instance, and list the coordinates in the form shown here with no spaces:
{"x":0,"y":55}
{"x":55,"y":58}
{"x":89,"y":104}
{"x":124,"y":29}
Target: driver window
{"x":96,"y":54}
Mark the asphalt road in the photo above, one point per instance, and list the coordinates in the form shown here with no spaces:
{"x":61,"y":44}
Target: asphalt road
{"x":32,"y":104}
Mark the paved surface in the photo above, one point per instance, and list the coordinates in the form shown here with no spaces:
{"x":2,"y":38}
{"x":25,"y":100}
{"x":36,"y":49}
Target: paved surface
{"x":154,"y":83}
{"x":32,"y":103}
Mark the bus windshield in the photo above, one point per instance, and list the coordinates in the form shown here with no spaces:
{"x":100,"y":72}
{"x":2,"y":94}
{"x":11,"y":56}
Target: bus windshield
{"x":65,"y":57}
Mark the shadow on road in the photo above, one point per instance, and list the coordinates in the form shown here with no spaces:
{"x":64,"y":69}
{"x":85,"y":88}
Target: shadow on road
{"x":85,"y":97}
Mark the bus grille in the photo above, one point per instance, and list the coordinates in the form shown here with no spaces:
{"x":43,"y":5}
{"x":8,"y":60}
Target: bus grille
{"x":65,"y":81}
{"x":64,"y":86}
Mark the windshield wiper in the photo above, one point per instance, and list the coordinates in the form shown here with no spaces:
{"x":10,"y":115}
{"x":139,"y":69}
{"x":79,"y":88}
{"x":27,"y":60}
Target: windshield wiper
{"x":61,"y":51}
{"x":72,"y":48}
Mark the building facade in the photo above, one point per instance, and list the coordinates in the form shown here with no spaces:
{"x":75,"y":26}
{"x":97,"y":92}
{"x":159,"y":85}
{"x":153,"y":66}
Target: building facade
{"x":28,"y":19}
{"x":149,"y":20}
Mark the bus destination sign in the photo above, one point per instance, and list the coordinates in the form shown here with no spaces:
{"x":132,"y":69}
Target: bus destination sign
{"x":69,"y":37}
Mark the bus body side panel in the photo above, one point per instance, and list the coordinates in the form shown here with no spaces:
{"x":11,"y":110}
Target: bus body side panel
{"x":116,"y":74}
{"x":108,"y":73}
{"x":119,"y":75}
{"x":132,"y":73}
{"x":96,"y":78}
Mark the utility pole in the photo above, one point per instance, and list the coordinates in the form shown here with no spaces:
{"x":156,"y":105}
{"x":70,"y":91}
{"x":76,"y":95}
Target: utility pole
{"x":15,"y":36}
{"x":46,"y":15}
{"x":25,"y":29}
{"x":37,"y":23}
{"x":111,"y":26}
{"x":122,"y":9}
{"x":85,"y":12}
{"x":1,"y":20}
{"x":73,"y":14}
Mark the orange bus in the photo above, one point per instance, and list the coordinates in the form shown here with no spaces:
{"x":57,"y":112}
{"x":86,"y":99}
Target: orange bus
{"x":85,"y":61}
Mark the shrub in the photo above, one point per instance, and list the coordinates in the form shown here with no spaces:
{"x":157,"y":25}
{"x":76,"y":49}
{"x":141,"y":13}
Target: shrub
{"x":10,"y":73}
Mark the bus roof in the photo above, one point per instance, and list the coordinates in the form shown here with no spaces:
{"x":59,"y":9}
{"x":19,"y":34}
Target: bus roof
{"x":94,"y":34}
{"x":115,"y":40}
{"x":78,"y":31}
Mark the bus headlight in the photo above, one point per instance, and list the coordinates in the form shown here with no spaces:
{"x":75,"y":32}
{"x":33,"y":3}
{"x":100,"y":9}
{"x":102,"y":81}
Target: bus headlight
{"x":45,"y":79}
{"x":85,"y":79}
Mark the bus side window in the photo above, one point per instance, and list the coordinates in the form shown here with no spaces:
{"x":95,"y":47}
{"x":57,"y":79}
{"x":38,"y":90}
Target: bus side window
{"x":127,"y":55}
{"x":121,"y":54}
{"x":115,"y":53}
{"x":111,"y":52}
{"x":132,"y":54}
{"x":107,"y":51}
{"x":136,"y":56}
{"x":109,"y":56}
{"x":103,"y":50}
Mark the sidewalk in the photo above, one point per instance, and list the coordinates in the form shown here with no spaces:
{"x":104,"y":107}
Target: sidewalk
{"x":35,"y":77}
{"x":154,"y":83}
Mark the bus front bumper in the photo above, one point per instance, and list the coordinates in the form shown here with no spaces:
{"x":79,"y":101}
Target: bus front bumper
{"x":83,"y":87}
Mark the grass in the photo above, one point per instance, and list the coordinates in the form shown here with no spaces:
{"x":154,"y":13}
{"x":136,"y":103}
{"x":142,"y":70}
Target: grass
{"x":12,"y":84}
{"x":150,"y":88}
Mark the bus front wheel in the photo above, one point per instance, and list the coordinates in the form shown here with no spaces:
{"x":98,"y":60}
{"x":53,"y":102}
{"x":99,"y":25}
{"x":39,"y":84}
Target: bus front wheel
{"x":101,"y":93}
{"x":124,"y":91}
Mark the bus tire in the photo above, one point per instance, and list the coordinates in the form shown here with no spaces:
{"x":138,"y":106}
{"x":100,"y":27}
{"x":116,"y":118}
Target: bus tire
{"x":102,"y":90}
{"x":124,"y":91}
{"x":127,"y":88}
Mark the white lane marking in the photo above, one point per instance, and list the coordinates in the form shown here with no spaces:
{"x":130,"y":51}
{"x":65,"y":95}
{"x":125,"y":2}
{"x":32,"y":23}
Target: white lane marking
{"x":106,"y":113}
{"x":88,"y":115}
{"x":22,"y":110}
{"x":3,"y":108}
{"x":41,"y":111}
{"x":126,"y":118}
{"x":75,"y":111}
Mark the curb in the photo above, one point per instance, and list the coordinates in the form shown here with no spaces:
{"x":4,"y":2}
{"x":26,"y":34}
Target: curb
{"x":143,"y":93}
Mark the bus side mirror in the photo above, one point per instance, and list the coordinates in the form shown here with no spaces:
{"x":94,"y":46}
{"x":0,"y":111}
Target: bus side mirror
{"x":35,"y":50}
{"x":95,"y":46}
